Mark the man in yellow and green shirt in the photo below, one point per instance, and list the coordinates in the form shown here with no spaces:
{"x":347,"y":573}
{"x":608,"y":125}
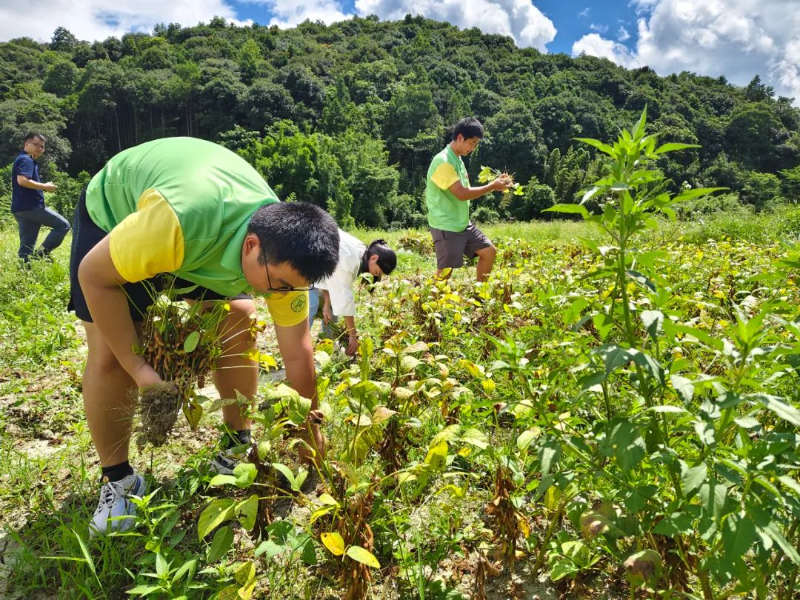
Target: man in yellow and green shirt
{"x":447,"y":195}
{"x":196,"y":210}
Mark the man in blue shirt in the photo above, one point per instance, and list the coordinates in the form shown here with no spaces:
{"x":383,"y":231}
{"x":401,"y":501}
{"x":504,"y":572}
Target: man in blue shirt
{"x":27,"y":202}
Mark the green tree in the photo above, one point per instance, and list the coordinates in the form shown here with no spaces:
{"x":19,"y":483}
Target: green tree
{"x":751,"y":134}
{"x":340,"y":113}
{"x":760,"y":188}
{"x":514,"y":143}
{"x":33,"y":110}
{"x":264,"y":104}
{"x":61,"y":77}
{"x":63,"y":40}
{"x":249,"y":60}
{"x":790,"y":184}
{"x":286,"y":157}
{"x":413,"y":131}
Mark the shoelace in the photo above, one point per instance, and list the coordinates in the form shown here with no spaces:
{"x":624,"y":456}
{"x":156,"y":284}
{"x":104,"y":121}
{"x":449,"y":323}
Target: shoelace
{"x":111,"y":491}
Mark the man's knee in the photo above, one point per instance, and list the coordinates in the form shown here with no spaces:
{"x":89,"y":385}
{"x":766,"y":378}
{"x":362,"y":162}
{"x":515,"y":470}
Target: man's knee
{"x":489,"y":253}
{"x":242,"y":310}
{"x":239,"y":321}
{"x":103,"y":362}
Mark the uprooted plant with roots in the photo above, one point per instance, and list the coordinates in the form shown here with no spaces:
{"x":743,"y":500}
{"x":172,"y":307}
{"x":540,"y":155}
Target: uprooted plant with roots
{"x":181,"y":342}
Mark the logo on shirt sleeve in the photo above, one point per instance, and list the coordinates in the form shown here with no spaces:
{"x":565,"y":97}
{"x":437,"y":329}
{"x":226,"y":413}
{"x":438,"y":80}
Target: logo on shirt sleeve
{"x":299,"y":303}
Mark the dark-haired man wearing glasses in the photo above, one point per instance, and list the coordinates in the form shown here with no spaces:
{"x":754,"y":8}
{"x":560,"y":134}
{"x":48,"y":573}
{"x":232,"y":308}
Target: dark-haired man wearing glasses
{"x":27,"y":202}
{"x":198,"y":211}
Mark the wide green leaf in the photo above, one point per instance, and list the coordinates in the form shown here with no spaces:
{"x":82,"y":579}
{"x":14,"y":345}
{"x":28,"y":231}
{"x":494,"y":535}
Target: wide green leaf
{"x":779,"y":407}
{"x":692,"y":478}
{"x":247,"y":510}
{"x":223,"y":539}
{"x":217,"y":512}
{"x":191,"y":342}
{"x":245,"y":474}
{"x":684,"y":387}
{"x":774,"y":532}
{"x":571,"y":209}
{"x":673,"y":147}
{"x":738,"y":534}
{"x":605,"y":148}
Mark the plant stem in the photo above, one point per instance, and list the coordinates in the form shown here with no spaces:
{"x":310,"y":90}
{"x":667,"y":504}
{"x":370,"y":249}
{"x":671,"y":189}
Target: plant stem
{"x":549,"y":534}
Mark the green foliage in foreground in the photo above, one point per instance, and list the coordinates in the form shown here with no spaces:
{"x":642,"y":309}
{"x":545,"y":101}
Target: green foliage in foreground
{"x":618,"y":416}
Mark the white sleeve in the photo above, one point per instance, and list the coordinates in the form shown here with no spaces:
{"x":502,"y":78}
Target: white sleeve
{"x":343,"y":301}
{"x":340,"y":283}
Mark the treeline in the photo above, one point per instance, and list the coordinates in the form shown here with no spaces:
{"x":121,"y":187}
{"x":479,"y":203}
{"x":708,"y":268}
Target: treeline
{"x":349,"y":115}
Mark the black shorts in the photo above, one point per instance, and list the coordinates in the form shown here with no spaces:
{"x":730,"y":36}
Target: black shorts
{"x":85,"y":236}
{"x":452,"y":246}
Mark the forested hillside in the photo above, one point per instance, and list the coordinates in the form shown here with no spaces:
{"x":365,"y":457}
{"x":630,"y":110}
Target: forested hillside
{"x":348,"y":116}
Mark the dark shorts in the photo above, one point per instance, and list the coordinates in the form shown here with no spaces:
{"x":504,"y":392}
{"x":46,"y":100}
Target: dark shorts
{"x":85,"y":236}
{"x":452,"y":246}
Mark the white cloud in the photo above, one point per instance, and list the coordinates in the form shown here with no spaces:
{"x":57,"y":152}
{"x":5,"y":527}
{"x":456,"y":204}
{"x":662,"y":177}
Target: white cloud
{"x":519,"y":19}
{"x":643,"y":6}
{"x":623,"y":35}
{"x":594,"y":45}
{"x":288,"y":13}
{"x":585,"y":12}
{"x":598,"y":28}
{"x":99,"y":19}
{"x":735,"y":38}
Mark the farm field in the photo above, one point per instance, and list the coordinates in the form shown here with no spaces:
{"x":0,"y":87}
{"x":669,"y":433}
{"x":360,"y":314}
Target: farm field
{"x":519,"y":438}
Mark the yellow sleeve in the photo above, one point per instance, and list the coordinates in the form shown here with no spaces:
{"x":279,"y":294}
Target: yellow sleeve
{"x":288,"y":309}
{"x":149,"y":241}
{"x":444,"y":176}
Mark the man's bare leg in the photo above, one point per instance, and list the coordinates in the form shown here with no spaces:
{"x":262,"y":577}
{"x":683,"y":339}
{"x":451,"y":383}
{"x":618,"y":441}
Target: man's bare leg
{"x":486,"y":258}
{"x":234,"y":371}
{"x":107,"y":399}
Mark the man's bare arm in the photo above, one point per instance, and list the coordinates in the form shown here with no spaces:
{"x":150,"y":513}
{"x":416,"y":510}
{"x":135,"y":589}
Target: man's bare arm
{"x":470,"y":193}
{"x":101,"y":285}
{"x":294,"y":344}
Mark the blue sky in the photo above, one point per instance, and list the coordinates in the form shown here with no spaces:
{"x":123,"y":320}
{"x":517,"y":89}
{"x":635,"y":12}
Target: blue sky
{"x":734,"y":38}
{"x":572,"y":18}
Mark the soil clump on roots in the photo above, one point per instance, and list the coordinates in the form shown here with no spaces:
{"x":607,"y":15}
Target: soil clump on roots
{"x":159,"y":406}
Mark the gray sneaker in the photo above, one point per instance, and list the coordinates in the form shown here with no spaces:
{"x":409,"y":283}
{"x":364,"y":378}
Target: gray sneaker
{"x":115,"y":511}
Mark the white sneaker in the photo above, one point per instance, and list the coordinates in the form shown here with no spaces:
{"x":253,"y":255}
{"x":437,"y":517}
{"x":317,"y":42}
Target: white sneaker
{"x":224,"y":463}
{"x":115,"y":511}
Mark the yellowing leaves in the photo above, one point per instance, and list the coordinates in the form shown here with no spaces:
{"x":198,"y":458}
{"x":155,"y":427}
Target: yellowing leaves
{"x":333,"y":542}
{"x":363,"y":556}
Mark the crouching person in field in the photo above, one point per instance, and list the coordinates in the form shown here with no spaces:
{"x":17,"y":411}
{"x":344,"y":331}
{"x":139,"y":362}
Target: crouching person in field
{"x":196,"y":210}
{"x":335,"y":293}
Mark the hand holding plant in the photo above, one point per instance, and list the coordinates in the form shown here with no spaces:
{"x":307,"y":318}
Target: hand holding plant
{"x":501,"y":182}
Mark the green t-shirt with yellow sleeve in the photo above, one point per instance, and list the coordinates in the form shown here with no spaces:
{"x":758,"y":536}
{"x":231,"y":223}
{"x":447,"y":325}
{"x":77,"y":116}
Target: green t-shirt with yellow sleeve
{"x":445,"y":211}
{"x":182,"y":205}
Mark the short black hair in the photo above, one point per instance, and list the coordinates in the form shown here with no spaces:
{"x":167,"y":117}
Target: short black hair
{"x":387,"y":259}
{"x":469,"y":128}
{"x":34,"y":135}
{"x":297,"y":233}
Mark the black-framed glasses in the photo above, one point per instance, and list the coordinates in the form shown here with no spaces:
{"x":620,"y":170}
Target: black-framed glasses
{"x":283,"y":288}
{"x":37,"y":145}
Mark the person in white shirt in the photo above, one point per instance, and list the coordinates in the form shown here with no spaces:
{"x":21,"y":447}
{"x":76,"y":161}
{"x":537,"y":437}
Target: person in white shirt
{"x":336,"y":292}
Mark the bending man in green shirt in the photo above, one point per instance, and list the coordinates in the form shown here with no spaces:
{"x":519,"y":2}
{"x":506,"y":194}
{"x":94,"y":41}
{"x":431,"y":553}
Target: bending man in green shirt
{"x":194,"y":209}
{"x":447,"y":195}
